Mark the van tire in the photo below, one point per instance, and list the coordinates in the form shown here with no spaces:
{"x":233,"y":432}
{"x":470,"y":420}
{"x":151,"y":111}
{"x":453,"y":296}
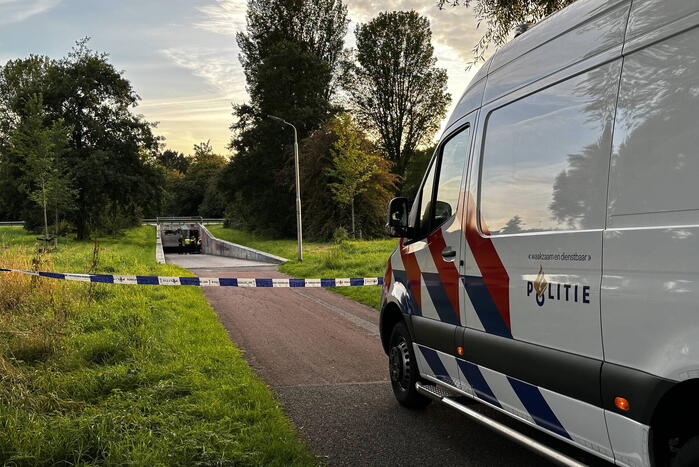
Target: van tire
{"x":688,"y":455}
{"x":402,"y":368}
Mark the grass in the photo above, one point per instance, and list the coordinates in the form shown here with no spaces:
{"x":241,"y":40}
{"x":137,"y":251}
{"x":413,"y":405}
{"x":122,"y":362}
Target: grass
{"x":357,"y":258}
{"x":115,"y":374}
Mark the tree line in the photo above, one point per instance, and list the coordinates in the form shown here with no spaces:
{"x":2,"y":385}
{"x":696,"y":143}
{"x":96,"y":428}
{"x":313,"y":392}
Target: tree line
{"x":362,"y":115}
{"x":74,"y":155}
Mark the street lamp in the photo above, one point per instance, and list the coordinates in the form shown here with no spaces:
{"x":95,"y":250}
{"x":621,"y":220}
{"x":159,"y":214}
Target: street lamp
{"x":299,"y":235}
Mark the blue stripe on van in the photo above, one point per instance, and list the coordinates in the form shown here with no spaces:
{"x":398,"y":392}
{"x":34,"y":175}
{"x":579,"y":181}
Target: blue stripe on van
{"x":438,"y":369}
{"x":485,"y":306}
{"x":435,"y":288}
{"x":409,"y":307}
{"x":476,"y":380}
{"x":538,"y":408}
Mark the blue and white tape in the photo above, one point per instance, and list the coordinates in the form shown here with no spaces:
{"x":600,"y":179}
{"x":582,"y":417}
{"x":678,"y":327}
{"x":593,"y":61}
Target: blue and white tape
{"x":204,"y":281}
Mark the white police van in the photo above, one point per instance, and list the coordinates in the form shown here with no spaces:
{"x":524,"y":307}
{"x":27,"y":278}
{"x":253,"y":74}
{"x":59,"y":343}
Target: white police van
{"x":549,"y":265}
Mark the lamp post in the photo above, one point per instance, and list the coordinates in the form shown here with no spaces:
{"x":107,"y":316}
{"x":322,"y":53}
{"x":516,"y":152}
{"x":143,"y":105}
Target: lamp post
{"x":299,"y":235}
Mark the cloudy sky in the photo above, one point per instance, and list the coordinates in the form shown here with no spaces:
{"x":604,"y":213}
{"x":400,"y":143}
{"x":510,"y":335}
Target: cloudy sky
{"x":181,"y":55}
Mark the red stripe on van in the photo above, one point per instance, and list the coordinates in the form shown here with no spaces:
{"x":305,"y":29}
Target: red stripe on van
{"x":412,"y":270}
{"x":448,"y":273}
{"x":494,"y":273}
{"x":387,"y":276}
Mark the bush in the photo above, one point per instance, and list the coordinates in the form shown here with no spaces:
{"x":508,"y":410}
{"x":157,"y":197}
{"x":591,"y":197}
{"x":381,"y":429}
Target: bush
{"x":340,"y":235}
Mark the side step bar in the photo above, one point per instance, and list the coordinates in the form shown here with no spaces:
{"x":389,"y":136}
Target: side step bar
{"x":438,"y":394}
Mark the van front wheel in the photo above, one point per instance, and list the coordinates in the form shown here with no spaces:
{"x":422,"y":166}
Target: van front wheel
{"x":688,"y":455}
{"x":403,"y":370}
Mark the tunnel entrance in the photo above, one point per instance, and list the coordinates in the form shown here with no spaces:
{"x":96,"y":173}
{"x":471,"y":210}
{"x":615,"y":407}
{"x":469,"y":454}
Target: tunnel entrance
{"x":189,"y":236}
{"x":181,"y":235}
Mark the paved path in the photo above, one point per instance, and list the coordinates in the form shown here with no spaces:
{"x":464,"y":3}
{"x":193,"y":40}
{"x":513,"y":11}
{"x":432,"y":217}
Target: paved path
{"x":321,"y":354}
{"x":208,"y":261}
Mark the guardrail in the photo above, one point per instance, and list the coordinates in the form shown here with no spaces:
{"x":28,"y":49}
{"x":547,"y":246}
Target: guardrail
{"x":184,"y":220}
{"x":3,"y":223}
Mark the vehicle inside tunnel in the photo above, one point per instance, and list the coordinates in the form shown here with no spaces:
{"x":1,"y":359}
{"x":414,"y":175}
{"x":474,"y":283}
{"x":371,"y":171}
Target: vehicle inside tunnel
{"x":181,"y":239}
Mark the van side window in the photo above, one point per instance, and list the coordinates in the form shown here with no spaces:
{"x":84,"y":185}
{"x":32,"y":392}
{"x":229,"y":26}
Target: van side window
{"x":423,"y":221}
{"x":546,"y":157}
{"x":453,"y":161}
{"x":655,"y":164}
{"x":446,"y":170}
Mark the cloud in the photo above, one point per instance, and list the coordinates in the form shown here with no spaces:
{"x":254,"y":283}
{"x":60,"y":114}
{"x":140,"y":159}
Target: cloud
{"x":14,"y":11}
{"x":184,"y":122}
{"x":218,"y":66}
{"x":454,"y":34}
{"x":224,"y":17}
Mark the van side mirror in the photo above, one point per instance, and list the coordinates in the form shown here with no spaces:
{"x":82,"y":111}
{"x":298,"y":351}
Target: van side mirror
{"x":442,"y":211}
{"x":397,"y":224}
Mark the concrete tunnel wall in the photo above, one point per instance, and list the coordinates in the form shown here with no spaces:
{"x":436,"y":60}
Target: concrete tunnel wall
{"x":159,"y":253}
{"x":211,"y":245}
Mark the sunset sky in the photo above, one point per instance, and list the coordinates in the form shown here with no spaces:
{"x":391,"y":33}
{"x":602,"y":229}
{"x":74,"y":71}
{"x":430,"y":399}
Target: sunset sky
{"x":181,"y":55}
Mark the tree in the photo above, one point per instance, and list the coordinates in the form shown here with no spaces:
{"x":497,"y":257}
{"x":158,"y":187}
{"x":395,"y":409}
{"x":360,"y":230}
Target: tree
{"x":513,"y":226}
{"x":394,"y":86}
{"x":111,"y":152}
{"x":352,"y":164}
{"x":290,"y":52}
{"x":323,"y":213}
{"x":189,"y":190}
{"x":319,"y":26}
{"x":30,"y":76}
{"x":173,"y":160}
{"x":40,"y":146}
{"x":62,"y":195}
{"x":502,"y":17}
{"x":415,"y":171}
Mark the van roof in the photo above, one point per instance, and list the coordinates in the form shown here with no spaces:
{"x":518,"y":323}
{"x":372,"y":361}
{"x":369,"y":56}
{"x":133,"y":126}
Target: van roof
{"x":580,"y":31}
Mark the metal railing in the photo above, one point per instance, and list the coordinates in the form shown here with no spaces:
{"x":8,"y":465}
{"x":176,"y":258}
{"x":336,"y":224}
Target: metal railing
{"x":184,"y":220}
{"x":179,"y":220}
{"x":3,"y":223}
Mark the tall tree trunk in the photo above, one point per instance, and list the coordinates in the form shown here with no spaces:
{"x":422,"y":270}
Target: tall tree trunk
{"x":55,"y":233}
{"x":352,"y":205}
{"x":81,"y":223}
{"x":46,"y":217}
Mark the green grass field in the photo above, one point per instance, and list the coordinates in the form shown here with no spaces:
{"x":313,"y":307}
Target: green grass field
{"x":360,"y":258}
{"x":116,"y":374}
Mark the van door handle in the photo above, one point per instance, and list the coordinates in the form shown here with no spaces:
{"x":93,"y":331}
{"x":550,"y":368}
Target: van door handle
{"x":448,"y":254}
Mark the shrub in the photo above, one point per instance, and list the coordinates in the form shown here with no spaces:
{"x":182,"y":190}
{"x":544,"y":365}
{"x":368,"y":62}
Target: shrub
{"x":340,"y":235}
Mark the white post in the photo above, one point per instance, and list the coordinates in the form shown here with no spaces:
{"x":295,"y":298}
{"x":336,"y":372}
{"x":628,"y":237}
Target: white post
{"x":299,"y":231}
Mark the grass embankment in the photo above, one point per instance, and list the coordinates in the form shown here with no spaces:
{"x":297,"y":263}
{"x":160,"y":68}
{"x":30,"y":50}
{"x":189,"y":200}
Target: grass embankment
{"x":116,"y":374}
{"x":356,"y":258}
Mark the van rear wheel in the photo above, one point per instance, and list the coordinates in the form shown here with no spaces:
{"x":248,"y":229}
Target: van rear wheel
{"x":403,"y":371}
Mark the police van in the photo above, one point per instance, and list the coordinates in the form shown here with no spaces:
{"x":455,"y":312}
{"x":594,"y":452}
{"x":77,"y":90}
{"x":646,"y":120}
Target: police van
{"x":549,"y":264}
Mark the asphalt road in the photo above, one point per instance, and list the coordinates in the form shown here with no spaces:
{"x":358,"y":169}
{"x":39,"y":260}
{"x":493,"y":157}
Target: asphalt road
{"x":321,"y":354}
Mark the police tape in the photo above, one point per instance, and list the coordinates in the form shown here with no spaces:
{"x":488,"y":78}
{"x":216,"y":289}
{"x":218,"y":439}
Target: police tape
{"x":204,"y":281}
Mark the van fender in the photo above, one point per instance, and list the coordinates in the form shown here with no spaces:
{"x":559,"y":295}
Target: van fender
{"x":677,"y":359}
{"x":395,"y":306}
